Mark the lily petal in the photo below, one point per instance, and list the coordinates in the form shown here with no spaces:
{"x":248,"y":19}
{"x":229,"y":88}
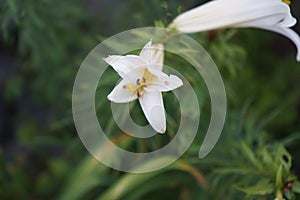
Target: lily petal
{"x":287,"y":32}
{"x":289,"y":21}
{"x":153,"y":108}
{"x":268,"y":21}
{"x":165,"y":83}
{"x":124,"y":65}
{"x":120,"y":94}
{"x":292,"y":35}
{"x":153,"y":54}
{"x":169,"y":83}
{"x":157,"y":56}
{"x":273,"y":15}
{"x":225,"y":13}
{"x":146,"y":52}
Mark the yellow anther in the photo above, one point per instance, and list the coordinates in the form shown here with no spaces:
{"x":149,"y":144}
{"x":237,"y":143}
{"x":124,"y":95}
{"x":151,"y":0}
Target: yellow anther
{"x":147,"y":77}
{"x":129,"y":87}
{"x":288,"y":2}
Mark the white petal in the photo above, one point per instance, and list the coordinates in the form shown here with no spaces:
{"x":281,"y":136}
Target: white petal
{"x":292,"y":35}
{"x":264,"y":21}
{"x":120,"y":94}
{"x":289,"y":21}
{"x":157,"y":56}
{"x":153,"y":108}
{"x":169,"y":83}
{"x":124,"y":64}
{"x":271,"y":15}
{"x":153,"y":54}
{"x":165,"y":84}
{"x":146,"y":52}
{"x":282,"y":19}
{"x":156,"y":72}
{"x":134,"y":75}
{"x":225,"y":13}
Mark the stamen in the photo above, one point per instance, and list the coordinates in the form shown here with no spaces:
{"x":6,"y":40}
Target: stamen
{"x":140,"y":83}
{"x":140,"y":87}
{"x":129,"y":87}
{"x":288,"y":2}
{"x":148,"y":76}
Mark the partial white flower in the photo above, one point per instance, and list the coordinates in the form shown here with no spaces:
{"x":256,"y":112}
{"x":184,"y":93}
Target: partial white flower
{"x":273,"y":15}
{"x":143,"y":79}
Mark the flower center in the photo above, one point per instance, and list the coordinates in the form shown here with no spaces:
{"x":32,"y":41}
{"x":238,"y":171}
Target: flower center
{"x":141,"y":83}
{"x":288,"y":2}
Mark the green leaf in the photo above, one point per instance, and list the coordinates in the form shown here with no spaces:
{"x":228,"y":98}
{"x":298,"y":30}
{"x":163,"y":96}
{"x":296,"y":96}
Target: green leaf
{"x":83,"y":179}
{"x":236,"y":170}
{"x":250,"y":155}
{"x":13,"y":7}
{"x":267,"y":158}
{"x":279,"y":183}
{"x":88,"y":174}
{"x":296,"y":187}
{"x":131,"y":182}
{"x":292,"y":139}
{"x":261,"y":188}
{"x":159,"y":24}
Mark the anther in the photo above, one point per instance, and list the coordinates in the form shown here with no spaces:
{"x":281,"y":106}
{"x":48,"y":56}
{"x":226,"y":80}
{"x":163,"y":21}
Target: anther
{"x":288,"y":2}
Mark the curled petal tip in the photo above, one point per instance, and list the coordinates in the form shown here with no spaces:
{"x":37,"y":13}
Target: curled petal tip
{"x":149,"y":44}
{"x":162,"y":131}
{"x":109,"y":97}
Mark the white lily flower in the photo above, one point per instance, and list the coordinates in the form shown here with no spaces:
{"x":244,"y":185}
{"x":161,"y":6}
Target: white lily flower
{"x":143,"y":79}
{"x":273,"y":15}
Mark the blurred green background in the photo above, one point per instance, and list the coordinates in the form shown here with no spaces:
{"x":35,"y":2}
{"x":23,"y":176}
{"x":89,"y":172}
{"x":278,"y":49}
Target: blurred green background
{"x":42,"y":44}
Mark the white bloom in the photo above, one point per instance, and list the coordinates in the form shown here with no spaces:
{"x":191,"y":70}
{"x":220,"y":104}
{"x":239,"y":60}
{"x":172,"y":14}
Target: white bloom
{"x":143,"y":79}
{"x":273,"y":15}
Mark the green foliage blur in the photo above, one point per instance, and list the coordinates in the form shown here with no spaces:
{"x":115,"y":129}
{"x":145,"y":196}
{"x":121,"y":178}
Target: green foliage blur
{"x":42,"y":44}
